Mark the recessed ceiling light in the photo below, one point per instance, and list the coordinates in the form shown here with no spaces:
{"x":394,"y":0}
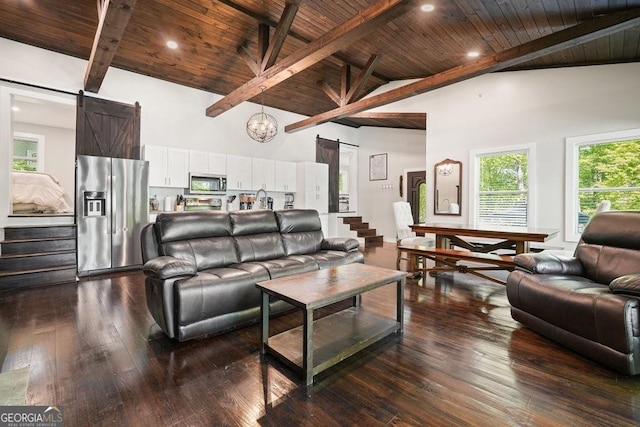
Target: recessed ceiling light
{"x":427,"y":7}
{"x":172,"y":45}
{"x":473,"y":54}
{"x":15,"y":108}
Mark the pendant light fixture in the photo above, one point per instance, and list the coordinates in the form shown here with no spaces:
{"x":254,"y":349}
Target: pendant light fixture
{"x":262,"y":127}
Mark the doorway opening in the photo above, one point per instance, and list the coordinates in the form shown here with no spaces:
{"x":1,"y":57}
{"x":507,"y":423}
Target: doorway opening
{"x":417,"y":195}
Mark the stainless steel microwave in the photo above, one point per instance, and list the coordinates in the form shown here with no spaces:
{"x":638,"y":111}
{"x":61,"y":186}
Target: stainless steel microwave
{"x":200,"y":183}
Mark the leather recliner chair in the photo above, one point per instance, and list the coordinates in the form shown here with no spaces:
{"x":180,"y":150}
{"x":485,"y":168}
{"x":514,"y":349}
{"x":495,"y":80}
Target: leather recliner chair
{"x":588,"y":302}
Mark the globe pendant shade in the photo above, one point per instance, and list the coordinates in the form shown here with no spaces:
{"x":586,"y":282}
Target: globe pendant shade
{"x":262,"y":127}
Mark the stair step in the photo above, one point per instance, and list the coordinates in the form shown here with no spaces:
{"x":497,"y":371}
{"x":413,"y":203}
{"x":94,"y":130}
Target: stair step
{"x":13,"y":262}
{"x":350,"y":219}
{"x":39,"y":232}
{"x":37,"y":277}
{"x":27,"y":246}
{"x":374,"y":241}
{"x":369,"y":232}
{"x":358,"y":225}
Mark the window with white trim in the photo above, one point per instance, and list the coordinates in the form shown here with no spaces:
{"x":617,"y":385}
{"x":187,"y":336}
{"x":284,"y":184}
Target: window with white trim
{"x":502,"y":186}
{"x":28,"y":152}
{"x":602,"y":174}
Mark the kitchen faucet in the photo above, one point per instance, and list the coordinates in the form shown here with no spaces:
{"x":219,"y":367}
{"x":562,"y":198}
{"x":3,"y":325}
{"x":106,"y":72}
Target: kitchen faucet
{"x":263,"y":201}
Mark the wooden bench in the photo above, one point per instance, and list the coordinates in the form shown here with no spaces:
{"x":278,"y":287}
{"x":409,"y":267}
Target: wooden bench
{"x":447,"y":260}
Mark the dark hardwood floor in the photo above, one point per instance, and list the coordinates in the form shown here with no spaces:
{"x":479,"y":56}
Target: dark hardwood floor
{"x":94,"y":349}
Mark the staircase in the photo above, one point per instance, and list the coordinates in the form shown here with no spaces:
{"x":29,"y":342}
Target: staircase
{"x":362,"y":229}
{"x":36,"y":256}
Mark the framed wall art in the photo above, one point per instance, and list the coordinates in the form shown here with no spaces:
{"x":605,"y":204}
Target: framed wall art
{"x":378,"y":167}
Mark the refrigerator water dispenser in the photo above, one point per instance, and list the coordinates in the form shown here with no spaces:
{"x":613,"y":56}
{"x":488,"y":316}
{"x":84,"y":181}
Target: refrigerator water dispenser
{"x":94,"y":203}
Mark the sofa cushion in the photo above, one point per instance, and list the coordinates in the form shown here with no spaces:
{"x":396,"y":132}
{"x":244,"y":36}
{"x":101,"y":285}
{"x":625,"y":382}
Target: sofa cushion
{"x":629,"y":284}
{"x":610,"y":245}
{"x":328,"y":259}
{"x":203,"y":238}
{"x":307,"y":242}
{"x":296,"y":220}
{"x":287,"y":266}
{"x":549,"y":263}
{"x":613,"y":228}
{"x":216,"y":292}
{"x":256,"y":235}
{"x":253,"y":222}
{"x":259,"y":247}
{"x":204,"y":253}
{"x":301,"y":231}
{"x":170,"y":227}
{"x":345,"y":244}
{"x":165,"y":267}
{"x":602,"y":264}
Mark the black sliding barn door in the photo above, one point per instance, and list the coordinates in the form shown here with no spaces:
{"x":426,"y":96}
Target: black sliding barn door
{"x":328,"y":151}
{"x":107,"y":128}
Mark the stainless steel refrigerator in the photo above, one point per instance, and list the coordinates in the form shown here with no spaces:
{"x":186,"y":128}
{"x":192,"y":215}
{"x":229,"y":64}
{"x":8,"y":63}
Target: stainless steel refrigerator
{"x":112,"y":206}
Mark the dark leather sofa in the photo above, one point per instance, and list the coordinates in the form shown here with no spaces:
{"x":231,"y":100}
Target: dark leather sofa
{"x":201,"y":267}
{"x":588,"y":302}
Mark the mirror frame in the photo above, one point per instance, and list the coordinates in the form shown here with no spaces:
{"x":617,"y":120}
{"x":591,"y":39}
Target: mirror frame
{"x":435,"y":187}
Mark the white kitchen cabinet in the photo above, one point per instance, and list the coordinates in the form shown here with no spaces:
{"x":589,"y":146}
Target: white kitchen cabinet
{"x":285,"y":176}
{"x":263,"y":174}
{"x":206,"y":162}
{"x":239,"y":172}
{"x":312,"y":186}
{"x":168,"y":167}
{"x":217,"y":163}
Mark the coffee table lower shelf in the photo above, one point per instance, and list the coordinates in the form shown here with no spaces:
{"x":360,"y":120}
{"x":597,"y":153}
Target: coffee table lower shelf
{"x":335,"y":338}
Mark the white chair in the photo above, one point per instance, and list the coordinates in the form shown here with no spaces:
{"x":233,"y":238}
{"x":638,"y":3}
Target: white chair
{"x":405,"y":236}
{"x":603,"y":206}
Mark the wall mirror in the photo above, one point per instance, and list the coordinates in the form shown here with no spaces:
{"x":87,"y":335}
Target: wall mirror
{"x":447,"y":181}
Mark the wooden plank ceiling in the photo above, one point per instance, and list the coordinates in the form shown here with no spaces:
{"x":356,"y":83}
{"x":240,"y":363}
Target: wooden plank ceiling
{"x":414,"y":45}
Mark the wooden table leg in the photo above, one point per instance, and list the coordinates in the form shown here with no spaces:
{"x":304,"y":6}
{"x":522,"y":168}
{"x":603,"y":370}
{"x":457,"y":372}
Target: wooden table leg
{"x":442,"y":242}
{"x":264,"y":325}
{"x":400,"y":306}
{"x":307,"y":347}
{"x":522,"y":247}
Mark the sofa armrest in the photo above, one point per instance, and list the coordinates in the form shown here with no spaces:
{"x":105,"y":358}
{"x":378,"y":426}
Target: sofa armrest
{"x":345,"y":244}
{"x":549,"y":263}
{"x":166,"y":267}
{"x":628,"y":285}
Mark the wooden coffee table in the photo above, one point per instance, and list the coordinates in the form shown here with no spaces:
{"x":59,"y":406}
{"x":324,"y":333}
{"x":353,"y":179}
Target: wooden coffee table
{"x":320,"y":344}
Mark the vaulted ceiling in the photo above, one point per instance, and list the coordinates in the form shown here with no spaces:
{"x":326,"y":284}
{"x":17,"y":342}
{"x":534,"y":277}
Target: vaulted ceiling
{"x":322,"y":57}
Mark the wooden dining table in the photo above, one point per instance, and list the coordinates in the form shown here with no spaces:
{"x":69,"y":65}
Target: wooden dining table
{"x":461,"y":235}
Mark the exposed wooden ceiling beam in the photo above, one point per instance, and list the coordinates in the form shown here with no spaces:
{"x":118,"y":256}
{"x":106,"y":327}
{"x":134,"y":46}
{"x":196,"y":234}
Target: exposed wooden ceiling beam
{"x":249,"y":59}
{"x":345,"y":83}
{"x":331,"y":93}
{"x":362,"y":79}
{"x":114,"y":16}
{"x":279,"y":35}
{"x":401,"y":120}
{"x":386,"y":115}
{"x":573,"y":36}
{"x":263,"y":42}
{"x":347,"y":92}
{"x":336,"y":58}
{"x":340,"y":37}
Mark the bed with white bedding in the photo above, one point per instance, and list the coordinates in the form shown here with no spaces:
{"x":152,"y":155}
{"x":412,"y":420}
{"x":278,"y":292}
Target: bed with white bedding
{"x":35,"y":192}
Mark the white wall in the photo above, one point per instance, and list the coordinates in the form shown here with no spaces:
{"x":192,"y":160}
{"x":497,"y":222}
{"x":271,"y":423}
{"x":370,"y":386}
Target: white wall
{"x":541,"y":107}
{"x":405,"y":151}
{"x":172,"y":115}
